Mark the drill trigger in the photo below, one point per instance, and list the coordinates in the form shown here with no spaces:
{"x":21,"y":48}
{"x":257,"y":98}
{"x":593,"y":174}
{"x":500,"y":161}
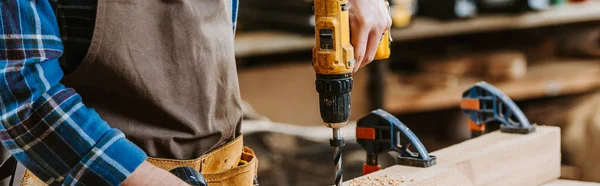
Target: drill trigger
{"x":485,"y":104}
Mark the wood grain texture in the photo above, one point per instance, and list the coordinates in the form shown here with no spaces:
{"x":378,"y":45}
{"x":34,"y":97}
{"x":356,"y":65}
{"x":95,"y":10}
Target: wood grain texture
{"x":561,"y":182}
{"x":492,"y":159}
{"x":560,"y":77}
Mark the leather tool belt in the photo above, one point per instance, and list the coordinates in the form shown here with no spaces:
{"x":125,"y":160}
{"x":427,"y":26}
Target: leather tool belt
{"x":230,"y":164}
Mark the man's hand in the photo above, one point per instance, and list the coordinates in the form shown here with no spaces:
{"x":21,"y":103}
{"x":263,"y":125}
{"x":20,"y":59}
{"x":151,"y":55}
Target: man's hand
{"x":149,"y":175}
{"x":369,"y":19}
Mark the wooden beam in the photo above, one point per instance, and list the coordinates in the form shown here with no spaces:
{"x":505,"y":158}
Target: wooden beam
{"x":492,"y":159}
{"x":561,"y":182}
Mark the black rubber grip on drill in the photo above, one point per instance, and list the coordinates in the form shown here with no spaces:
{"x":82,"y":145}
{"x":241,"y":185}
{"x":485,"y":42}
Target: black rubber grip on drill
{"x":334,"y":97}
{"x":190,"y":176}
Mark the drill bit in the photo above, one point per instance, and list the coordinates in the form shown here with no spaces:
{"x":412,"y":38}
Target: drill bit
{"x":337,"y":155}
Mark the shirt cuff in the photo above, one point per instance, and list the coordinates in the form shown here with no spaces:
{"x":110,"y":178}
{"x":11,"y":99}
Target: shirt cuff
{"x":109,"y":162}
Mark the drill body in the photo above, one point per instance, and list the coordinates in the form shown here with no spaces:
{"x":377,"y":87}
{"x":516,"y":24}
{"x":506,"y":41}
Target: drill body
{"x":333,"y":61}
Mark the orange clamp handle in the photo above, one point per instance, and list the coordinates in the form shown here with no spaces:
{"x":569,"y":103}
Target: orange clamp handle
{"x":368,"y":169}
{"x":469,"y":104}
{"x":365,"y":133}
{"x":474,"y":127}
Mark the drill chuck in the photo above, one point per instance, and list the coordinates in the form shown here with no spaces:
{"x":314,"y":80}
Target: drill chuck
{"x":334,"y":98}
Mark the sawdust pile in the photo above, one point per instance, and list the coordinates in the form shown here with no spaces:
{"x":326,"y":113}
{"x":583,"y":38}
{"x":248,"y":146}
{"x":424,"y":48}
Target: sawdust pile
{"x":380,"y":181}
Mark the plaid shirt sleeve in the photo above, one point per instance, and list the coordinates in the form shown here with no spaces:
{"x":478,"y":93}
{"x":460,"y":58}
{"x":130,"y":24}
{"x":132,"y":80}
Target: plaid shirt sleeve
{"x":234,"y":13}
{"x":44,"y":124}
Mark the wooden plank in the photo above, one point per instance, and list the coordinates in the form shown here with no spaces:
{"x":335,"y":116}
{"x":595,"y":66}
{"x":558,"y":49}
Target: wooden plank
{"x":542,"y":80}
{"x":492,"y":159}
{"x":272,"y":42}
{"x":426,"y":28}
{"x":562,"y":182}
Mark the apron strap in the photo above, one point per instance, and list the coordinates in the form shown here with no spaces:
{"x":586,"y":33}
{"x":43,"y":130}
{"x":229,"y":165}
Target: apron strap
{"x":8,"y":168}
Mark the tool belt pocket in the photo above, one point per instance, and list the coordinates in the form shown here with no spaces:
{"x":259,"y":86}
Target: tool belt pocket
{"x":245,"y":174}
{"x":231,"y":164}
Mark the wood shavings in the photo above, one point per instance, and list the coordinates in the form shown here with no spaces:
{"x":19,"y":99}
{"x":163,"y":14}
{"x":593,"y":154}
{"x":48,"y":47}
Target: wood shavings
{"x":384,"y":180}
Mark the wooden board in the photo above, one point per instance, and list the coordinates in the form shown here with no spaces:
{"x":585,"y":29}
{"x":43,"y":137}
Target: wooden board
{"x":492,"y":159}
{"x":542,"y":80}
{"x":272,"y":42}
{"x":561,"y":182}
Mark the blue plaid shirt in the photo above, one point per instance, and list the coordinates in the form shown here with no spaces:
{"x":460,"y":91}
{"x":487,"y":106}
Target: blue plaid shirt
{"x":44,"y":124}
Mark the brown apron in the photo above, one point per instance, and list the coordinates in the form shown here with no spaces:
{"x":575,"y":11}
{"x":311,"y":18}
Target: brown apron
{"x":163,"y":72}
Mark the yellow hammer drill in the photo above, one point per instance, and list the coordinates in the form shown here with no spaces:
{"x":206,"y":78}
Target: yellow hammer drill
{"x":333,"y":61}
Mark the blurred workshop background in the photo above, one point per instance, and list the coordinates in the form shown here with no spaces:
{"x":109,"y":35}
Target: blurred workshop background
{"x":544,"y":54}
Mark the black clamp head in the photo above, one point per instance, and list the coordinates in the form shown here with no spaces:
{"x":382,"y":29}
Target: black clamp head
{"x":380,"y":132}
{"x":484,"y":104}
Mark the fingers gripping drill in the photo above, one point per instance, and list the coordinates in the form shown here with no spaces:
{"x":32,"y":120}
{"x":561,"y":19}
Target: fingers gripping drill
{"x":333,"y":61}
